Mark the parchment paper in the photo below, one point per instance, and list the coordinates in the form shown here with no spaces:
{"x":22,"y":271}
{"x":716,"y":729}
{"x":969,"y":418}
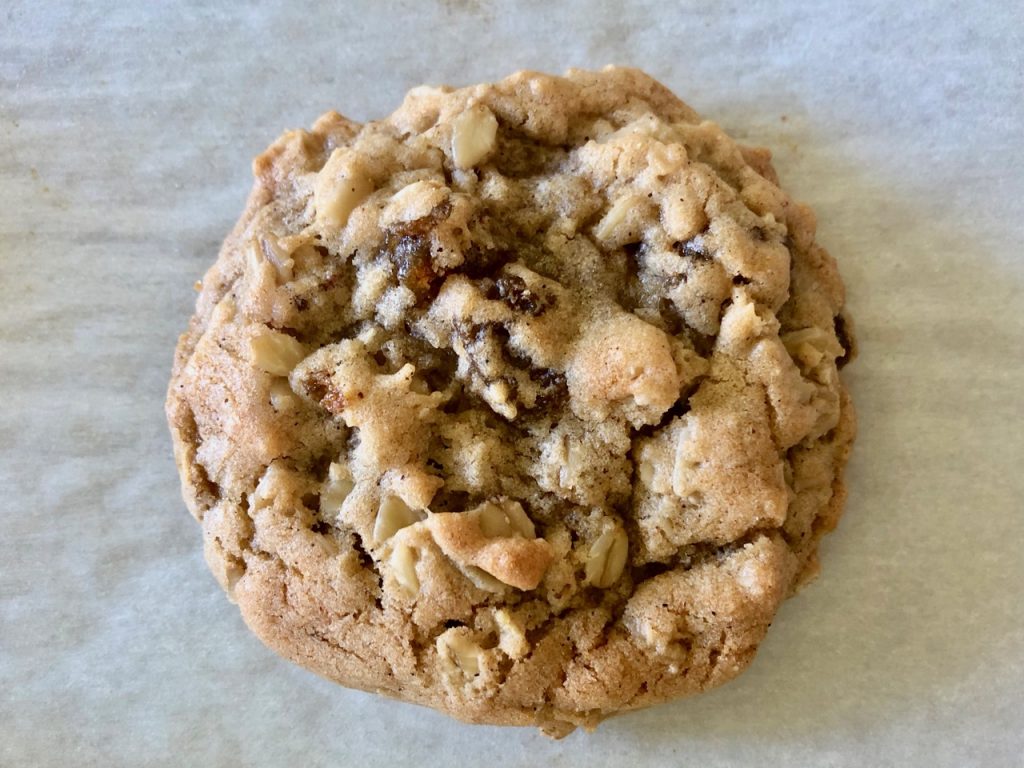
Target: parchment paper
{"x":126,"y":132}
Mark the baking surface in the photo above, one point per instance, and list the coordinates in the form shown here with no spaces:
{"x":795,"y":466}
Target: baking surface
{"x":126,"y":132}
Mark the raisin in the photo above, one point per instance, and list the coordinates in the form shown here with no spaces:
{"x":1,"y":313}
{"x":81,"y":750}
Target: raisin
{"x":554,"y":392}
{"x":318,"y":385}
{"x":488,"y":288}
{"x":693,"y":249}
{"x":513,"y":290}
{"x":843,"y":335}
{"x":480,"y":263}
{"x":408,"y":247}
{"x":411,"y":256}
{"x":669,"y":314}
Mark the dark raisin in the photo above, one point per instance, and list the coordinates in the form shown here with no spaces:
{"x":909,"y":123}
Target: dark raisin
{"x":845,"y":340}
{"x":411,"y":256}
{"x":693,"y":248}
{"x":484,"y":262}
{"x":319,"y":386}
{"x":519,"y":360}
{"x":518,"y":296}
{"x":408,"y":246}
{"x":317,"y":383}
{"x":554,"y":392}
{"x":670,"y":316}
{"x":488,"y":288}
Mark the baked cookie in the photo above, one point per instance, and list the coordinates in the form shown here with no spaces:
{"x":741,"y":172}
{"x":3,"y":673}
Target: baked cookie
{"x":521,"y":403}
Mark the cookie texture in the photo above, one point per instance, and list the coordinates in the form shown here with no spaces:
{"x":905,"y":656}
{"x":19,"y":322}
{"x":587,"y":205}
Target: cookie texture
{"x":522,"y":403}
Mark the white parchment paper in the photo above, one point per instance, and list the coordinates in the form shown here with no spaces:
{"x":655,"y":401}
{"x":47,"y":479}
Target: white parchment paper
{"x":126,"y":132}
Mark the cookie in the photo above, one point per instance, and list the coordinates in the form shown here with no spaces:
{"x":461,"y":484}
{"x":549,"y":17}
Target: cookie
{"x":522,"y":403}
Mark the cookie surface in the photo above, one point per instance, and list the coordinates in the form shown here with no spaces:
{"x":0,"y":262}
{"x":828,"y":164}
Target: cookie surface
{"x":522,"y":403}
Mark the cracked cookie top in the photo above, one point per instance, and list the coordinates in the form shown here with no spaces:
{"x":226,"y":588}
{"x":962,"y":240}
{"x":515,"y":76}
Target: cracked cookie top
{"x":522,"y":403}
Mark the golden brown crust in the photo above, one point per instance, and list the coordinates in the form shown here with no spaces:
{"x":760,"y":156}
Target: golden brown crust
{"x":522,"y":403}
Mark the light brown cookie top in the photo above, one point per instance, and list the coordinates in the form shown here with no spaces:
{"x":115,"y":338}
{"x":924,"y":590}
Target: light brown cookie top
{"x":521,"y":403}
